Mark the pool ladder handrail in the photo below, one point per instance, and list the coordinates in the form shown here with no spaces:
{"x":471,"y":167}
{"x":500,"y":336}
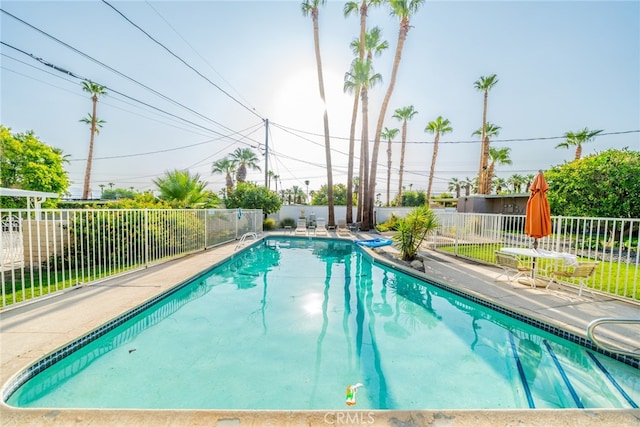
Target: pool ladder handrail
{"x":597,"y":322}
{"x":244,"y":237}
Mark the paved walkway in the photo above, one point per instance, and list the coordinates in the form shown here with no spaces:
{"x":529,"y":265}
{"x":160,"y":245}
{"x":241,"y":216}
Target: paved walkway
{"x":31,"y":331}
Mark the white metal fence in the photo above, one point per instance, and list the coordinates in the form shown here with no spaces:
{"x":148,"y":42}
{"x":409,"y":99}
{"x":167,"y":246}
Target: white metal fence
{"x":45,"y":251}
{"x":613,"y":242}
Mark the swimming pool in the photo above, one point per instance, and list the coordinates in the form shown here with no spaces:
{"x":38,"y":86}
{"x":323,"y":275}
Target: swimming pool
{"x":289,"y":326}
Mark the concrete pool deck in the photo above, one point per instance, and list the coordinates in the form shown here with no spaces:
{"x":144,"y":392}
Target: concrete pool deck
{"x":30,"y":331}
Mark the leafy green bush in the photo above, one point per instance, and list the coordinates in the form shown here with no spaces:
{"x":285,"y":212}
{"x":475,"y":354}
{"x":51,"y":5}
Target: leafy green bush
{"x":390,"y":225}
{"x":269,"y":224}
{"x":287,"y":222}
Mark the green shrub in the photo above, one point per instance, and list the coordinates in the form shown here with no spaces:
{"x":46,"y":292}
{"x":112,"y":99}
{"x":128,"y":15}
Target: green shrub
{"x":390,"y":225}
{"x":287,"y":222}
{"x":269,"y":224}
{"x":413,"y":229}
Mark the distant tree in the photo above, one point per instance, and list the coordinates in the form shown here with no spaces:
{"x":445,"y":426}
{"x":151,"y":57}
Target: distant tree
{"x":438,"y":127}
{"x":248,"y":195}
{"x":576,"y":139}
{"x":95,"y":90}
{"x":498,"y":156}
{"x":455,"y":185}
{"x":118,"y":194}
{"x":388,"y":135}
{"x":403,"y":114}
{"x":517,"y":181}
{"x":339,"y":196}
{"x":242,"y":159}
{"x":227,"y":167}
{"x":26,"y":163}
{"x":413,"y":198}
{"x":599,"y":185}
{"x":182,"y":190}
{"x":484,"y":84}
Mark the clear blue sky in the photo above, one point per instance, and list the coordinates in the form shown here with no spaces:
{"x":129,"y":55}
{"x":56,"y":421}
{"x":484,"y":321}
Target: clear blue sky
{"x":562,"y":66}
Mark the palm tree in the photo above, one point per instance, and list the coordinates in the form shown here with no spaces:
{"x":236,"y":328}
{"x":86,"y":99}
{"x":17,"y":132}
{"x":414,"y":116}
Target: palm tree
{"x":438,"y":127}
{"x":454,"y":185}
{"x":369,"y":41}
{"x":181,"y":189}
{"x":404,"y":115}
{"x":310,"y":7}
{"x":242,"y":159}
{"x":404,"y":10}
{"x":227,"y":167}
{"x":95,"y":90}
{"x":89,"y":120}
{"x":499,"y":183}
{"x":389,"y":134}
{"x":298,"y":194}
{"x":468,"y":185}
{"x":484,"y":84}
{"x":516,"y":181}
{"x":362,"y":77}
{"x":577,"y":139}
{"x":488,"y":131}
{"x":499,"y":156}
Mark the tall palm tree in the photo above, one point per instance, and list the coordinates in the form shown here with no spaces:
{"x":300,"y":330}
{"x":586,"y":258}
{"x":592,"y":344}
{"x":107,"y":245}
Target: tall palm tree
{"x":95,"y":90}
{"x":484,"y":84}
{"x":89,"y":121}
{"x":404,"y":10}
{"x":310,"y":7}
{"x":371,"y":43}
{"x":488,"y":131}
{"x":181,"y":189}
{"x":404,"y":115}
{"x":498,"y":156}
{"x":227,"y":167}
{"x":577,"y":139}
{"x":389,"y":134}
{"x":454,"y":185}
{"x":363,"y":78}
{"x":242,"y":159}
{"x":438,"y":127}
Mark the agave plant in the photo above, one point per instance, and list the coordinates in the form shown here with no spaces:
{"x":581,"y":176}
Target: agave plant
{"x":413,"y":229}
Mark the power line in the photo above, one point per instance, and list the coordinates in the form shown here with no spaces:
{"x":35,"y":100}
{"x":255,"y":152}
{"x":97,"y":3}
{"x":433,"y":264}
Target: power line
{"x":181,"y":60}
{"x":48,"y":64}
{"x":456,"y":142}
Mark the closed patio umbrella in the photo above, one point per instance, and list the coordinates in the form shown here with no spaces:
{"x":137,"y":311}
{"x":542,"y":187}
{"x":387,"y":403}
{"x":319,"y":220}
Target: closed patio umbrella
{"x":538,"y":220}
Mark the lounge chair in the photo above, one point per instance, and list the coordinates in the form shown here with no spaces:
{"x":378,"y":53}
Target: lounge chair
{"x":342,"y":228}
{"x":581,"y":272}
{"x":510,"y":264}
{"x":301,"y":227}
{"x":321,"y":226}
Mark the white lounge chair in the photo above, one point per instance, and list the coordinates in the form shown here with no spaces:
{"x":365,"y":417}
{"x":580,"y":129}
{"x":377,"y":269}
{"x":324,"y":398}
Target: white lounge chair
{"x":321,"y":226}
{"x":342,"y":228}
{"x":301,"y":227}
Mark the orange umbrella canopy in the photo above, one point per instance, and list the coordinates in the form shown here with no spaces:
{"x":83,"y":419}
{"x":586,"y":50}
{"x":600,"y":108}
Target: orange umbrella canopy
{"x":538,"y":220}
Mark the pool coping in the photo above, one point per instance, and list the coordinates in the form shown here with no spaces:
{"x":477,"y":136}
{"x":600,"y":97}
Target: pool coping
{"x":21,"y":416}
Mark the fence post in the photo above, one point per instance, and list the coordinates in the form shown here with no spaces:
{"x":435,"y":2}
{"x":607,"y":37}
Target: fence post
{"x":146,"y":237}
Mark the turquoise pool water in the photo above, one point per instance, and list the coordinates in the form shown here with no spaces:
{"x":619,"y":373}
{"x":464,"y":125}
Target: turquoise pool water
{"x":290,"y":323}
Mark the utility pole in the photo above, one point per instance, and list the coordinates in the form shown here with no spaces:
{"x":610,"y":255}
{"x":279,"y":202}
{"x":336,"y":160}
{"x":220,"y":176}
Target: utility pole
{"x":266,"y":153}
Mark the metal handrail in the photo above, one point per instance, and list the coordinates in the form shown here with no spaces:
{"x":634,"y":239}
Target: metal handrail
{"x":597,"y":322}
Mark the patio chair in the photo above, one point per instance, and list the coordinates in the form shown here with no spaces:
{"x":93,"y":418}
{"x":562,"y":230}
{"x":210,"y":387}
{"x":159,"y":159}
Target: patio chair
{"x":321,"y":226}
{"x":581,"y":273}
{"x":301,"y":227}
{"x":510,"y":264}
{"x":342,"y":228}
